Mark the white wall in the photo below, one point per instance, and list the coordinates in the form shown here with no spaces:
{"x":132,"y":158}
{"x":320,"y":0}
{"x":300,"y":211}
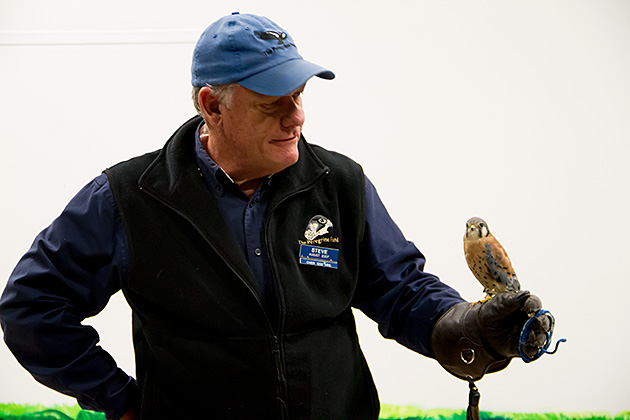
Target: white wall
{"x":516,"y":111}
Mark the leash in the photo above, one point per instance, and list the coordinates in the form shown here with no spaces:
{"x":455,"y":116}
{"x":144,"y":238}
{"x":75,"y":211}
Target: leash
{"x":527,"y":329}
{"x":472,"y":412}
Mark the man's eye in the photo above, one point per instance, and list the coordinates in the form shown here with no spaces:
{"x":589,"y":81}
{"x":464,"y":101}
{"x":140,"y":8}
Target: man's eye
{"x":269,"y":105}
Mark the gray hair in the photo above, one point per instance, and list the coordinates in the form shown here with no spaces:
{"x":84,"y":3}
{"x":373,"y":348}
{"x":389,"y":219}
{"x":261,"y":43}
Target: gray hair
{"x":224,"y":92}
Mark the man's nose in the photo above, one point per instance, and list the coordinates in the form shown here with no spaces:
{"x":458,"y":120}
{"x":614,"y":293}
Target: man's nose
{"x":293,"y":115}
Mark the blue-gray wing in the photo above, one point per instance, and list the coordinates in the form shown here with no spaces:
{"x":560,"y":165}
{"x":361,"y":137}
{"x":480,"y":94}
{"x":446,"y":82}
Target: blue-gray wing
{"x":500,"y":267}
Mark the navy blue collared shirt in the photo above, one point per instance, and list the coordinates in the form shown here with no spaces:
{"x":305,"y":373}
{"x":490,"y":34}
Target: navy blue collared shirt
{"x":82,"y":258}
{"x":245,"y":216}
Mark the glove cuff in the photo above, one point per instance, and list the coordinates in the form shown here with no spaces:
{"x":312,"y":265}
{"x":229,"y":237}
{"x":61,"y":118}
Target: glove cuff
{"x":458,"y":347}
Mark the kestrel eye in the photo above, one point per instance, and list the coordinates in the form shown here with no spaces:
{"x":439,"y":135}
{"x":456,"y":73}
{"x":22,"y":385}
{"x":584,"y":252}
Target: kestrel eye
{"x":322,"y":220}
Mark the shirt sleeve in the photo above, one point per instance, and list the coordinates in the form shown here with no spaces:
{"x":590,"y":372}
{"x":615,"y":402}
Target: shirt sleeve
{"x":72,"y":269}
{"x":394,"y":290}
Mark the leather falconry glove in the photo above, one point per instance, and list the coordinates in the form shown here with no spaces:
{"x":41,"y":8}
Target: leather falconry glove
{"x":473,"y":339}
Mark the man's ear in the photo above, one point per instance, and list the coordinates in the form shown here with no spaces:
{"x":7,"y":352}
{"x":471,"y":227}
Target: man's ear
{"x":209,"y":105}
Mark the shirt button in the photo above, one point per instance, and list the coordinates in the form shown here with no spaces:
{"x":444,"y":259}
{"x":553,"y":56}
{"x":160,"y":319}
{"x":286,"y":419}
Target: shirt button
{"x":258,"y":252}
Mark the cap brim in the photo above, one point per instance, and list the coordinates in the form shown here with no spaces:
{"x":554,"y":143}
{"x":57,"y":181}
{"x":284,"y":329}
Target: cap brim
{"x":285,"y":78}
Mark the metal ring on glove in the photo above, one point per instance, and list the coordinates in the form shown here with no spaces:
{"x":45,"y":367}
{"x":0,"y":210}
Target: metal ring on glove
{"x":469,"y":357}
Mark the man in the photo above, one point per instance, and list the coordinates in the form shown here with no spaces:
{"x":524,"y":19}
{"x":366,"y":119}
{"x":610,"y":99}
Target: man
{"x":241,"y":250}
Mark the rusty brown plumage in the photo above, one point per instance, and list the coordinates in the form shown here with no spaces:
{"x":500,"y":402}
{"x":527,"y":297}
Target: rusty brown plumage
{"x":488,"y":260}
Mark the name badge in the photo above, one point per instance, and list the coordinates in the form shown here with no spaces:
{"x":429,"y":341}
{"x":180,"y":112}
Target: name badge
{"x":319,"y":256}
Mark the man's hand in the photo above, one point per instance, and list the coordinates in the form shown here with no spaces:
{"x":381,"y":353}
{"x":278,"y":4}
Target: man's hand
{"x":473,"y":339}
{"x":501,"y":320}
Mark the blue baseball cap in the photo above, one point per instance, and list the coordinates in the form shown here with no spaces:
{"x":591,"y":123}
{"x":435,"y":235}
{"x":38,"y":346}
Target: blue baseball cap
{"x":254,"y":52}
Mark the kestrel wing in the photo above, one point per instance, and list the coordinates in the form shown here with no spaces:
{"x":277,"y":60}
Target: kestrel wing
{"x":500,"y":267}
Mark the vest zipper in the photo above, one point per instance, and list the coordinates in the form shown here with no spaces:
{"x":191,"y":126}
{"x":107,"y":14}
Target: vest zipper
{"x":275,"y":336}
{"x":276,"y":350}
{"x":282,"y":380}
{"x":278,"y":353}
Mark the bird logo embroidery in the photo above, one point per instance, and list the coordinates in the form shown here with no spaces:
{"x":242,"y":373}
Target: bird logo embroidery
{"x":488,"y":260}
{"x":317,"y":226}
{"x":272,"y":35}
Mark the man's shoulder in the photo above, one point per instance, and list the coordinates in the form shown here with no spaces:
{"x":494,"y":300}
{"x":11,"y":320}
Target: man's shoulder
{"x":334,"y":159}
{"x":176,"y":145}
{"x":134,"y":166}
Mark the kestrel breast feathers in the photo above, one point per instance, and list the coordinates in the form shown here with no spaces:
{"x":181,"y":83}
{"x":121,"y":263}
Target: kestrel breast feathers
{"x":488,"y":260}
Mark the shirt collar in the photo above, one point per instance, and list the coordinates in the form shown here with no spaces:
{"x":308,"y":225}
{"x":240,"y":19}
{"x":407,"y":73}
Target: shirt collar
{"x":215,"y":176}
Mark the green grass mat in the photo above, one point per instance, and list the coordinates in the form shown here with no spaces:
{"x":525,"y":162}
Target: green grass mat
{"x":41,"y":412}
{"x":388,"y":412}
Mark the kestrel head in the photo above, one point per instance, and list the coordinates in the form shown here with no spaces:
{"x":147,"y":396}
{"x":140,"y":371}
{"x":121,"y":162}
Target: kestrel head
{"x":476,"y":228}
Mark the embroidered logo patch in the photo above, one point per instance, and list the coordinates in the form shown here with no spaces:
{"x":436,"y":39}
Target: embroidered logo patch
{"x":311,"y":250}
{"x":273,"y":35}
{"x":284,"y":42}
{"x":317,"y":226}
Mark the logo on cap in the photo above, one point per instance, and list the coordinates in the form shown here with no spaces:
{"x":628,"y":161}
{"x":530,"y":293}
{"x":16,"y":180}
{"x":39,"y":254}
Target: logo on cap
{"x":275,"y":36}
{"x":279,"y":36}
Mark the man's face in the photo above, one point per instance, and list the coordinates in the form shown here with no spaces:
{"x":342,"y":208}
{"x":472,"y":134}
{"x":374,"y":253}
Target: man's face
{"x":259,"y":134}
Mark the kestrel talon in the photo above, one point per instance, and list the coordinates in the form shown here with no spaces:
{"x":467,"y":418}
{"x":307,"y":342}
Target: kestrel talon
{"x":488,"y":260}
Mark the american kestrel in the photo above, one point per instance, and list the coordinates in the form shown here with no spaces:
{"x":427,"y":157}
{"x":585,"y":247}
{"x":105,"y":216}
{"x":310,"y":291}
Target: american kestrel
{"x":488,"y":260}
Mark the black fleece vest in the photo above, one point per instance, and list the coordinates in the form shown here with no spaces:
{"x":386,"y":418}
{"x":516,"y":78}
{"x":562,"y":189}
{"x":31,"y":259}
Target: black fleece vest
{"x":205,"y":347}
